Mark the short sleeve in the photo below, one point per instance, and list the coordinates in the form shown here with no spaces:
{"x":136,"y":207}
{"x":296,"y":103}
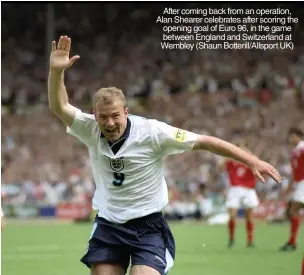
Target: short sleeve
{"x":169,"y":140}
{"x":84,"y":127}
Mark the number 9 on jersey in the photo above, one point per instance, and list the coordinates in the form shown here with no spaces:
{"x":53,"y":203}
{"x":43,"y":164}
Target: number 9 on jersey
{"x":118,"y":179}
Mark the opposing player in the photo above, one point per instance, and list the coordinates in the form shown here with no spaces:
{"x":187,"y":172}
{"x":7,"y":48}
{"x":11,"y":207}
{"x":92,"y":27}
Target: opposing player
{"x":240,"y":194}
{"x":126,"y":156}
{"x":295,"y":139}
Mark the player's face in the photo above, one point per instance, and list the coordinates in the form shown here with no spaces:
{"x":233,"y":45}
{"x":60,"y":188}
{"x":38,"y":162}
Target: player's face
{"x":112,"y":119}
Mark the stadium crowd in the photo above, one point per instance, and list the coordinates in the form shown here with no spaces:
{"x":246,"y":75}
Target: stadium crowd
{"x":257,"y":95}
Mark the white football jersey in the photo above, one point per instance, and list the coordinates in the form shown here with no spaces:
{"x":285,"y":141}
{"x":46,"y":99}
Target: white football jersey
{"x":130,"y":184}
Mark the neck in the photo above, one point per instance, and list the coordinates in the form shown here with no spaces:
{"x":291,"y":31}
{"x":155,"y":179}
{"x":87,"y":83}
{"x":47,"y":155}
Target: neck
{"x":112,"y":143}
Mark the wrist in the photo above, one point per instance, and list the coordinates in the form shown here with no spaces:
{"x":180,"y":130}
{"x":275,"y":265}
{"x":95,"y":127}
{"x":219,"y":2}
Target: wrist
{"x":252,"y":160}
{"x":56,"y":71}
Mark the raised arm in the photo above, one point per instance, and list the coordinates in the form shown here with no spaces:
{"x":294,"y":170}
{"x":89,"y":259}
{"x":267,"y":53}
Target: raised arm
{"x":57,"y":94}
{"x":223,"y":148}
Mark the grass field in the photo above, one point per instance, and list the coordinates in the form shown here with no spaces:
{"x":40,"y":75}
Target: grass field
{"x":55,"y":249}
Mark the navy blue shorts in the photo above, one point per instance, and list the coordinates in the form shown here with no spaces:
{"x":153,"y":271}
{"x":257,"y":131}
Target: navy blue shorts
{"x":145,"y":241}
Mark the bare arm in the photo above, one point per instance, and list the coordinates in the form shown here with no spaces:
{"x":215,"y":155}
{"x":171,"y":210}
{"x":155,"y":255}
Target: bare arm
{"x":223,"y":148}
{"x":226,"y":149}
{"x":57,"y":94}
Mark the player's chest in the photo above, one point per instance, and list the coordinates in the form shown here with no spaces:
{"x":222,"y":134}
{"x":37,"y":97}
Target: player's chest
{"x":239,"y":171}
{"x":131,"y":156}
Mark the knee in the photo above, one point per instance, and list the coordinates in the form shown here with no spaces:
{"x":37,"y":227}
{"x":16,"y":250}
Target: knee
{"x":249,"y":216}
{"x":232,"y":214}
{"x":249,"y":219}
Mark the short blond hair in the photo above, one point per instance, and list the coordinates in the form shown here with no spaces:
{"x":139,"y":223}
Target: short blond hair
{"x":109,"y":96}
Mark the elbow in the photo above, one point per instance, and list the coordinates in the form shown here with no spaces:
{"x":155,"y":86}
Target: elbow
{"x":203,"y":143}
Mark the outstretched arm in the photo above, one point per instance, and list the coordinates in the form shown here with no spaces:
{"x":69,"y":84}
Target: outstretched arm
{"x":57,"y":94}
{"x":223,"y":148}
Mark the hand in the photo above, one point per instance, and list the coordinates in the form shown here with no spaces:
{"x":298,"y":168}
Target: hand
{"x":59,"y":59}
{"x":259,"y":167}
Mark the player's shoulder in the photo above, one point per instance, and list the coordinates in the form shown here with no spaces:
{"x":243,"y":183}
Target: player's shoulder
{"x":142,"y":122}
{"x":137,"y":119}
{"x":143,"y":128}
{"x":85,"y":116}
{"x":84,"y":126}
{"x":140,"y":126}
{"x":88,"y":120}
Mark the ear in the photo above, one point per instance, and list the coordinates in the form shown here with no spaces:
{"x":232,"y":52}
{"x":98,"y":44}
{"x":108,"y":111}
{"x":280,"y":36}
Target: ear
{"x":126,"y":111}
{"x":94,"y":113}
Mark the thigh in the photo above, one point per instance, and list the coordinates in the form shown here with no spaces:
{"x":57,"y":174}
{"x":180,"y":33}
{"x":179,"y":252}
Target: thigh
{"x":233,"y":212}
{"x":145,"y":261}
{"x":143,"y":270}
{"x":105,"y":252}
{"x":107,"y":269}
{"x":155,"y":249}
{"x":249,"y":214}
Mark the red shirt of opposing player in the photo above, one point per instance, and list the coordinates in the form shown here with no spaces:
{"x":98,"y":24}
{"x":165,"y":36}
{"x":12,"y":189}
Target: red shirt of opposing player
{"x":240,"y":175}
{"x":297,"y":162}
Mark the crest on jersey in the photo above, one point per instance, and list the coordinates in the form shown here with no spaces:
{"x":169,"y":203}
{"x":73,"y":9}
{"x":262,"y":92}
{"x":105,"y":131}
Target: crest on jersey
{"x":117,"y":164}
{"x":180,"y":135}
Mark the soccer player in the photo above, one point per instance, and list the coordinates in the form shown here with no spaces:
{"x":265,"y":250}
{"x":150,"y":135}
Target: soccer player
{"x":295,"y":139}
{"x":241,"y":194}
{"x":126,"y":153}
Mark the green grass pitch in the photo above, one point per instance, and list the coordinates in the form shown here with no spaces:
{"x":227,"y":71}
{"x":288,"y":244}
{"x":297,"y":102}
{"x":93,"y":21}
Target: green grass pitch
{"x":55,"y":249}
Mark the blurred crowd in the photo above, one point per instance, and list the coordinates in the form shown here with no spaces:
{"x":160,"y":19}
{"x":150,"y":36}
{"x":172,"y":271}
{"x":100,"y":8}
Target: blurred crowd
{"x":253,"y":94}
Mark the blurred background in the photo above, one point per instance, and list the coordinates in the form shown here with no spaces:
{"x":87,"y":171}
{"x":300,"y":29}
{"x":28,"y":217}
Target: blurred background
{"x":254,"y":95}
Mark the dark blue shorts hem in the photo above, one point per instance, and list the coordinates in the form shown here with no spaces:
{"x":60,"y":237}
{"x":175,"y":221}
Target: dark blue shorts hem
{"x":89,"y":261}
{"x":147,"y":263}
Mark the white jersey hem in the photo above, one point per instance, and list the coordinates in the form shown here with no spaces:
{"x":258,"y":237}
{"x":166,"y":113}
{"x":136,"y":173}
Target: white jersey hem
{"x":103,"y":214}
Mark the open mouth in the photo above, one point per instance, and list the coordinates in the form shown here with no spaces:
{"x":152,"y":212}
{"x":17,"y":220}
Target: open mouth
{"x":112,"y":131}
